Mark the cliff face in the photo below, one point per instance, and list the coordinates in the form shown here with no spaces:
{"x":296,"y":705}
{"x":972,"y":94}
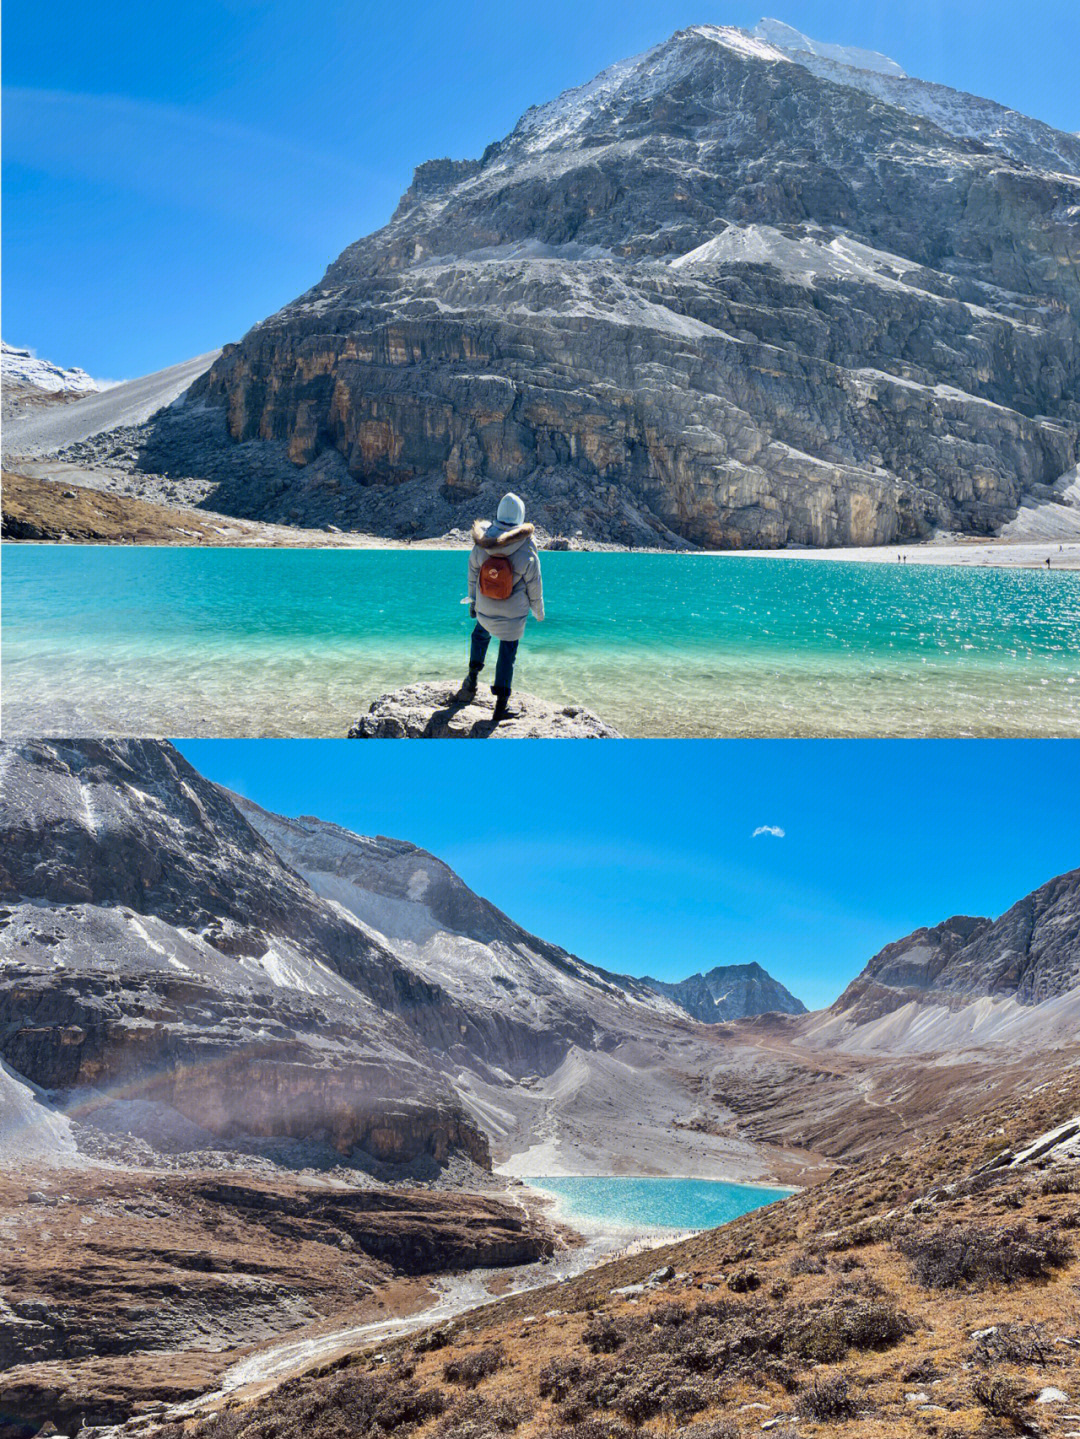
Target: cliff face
{"x":1030,"y":956}
{"x":154,"y":948}
{"x":730,"y":991}
{"x":745,"y":294}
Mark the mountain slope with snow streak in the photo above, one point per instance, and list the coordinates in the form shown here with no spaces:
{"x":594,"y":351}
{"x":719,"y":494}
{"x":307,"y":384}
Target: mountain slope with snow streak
{"x":742,"y":288}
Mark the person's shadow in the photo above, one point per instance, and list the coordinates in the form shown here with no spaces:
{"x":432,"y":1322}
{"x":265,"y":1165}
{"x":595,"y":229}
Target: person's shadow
{"x":441,"y":719}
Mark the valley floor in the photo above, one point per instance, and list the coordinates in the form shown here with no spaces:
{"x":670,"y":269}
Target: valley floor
{"x":931,"y":1291}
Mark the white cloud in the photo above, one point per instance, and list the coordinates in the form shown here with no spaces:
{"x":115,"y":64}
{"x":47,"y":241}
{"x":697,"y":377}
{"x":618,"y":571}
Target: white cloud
{"x":773,"y":829}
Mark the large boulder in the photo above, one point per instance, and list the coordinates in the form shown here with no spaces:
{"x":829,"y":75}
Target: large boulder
{"x":434,"y":711}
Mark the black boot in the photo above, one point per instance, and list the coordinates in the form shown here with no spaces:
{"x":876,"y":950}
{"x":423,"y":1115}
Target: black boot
{"x":502,"y":706}
{"x":468,"y":684}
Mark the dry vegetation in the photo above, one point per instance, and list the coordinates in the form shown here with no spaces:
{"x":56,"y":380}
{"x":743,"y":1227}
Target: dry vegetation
{"x":60,"y":510}
{"x":918,"y":1294}
{"x":120,"y":1289}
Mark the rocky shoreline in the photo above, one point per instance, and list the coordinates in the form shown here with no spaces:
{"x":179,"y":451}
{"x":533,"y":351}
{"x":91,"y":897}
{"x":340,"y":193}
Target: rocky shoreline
{"x":434,"y":711}
{"x":50,"y":502}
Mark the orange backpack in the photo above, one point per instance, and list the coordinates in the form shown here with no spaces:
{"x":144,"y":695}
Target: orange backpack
{"x":497,"y":578}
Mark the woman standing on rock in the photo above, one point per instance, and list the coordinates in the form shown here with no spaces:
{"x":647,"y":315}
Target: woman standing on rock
{"x":504,"y":585}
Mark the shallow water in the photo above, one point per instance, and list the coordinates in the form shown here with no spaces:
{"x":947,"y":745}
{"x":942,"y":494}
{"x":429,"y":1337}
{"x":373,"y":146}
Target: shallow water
{"x":654,"y":1203}
{"x":298,"y":642}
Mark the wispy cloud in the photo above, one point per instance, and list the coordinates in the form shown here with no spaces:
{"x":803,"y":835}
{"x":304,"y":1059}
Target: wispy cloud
{"x":773,"y":829}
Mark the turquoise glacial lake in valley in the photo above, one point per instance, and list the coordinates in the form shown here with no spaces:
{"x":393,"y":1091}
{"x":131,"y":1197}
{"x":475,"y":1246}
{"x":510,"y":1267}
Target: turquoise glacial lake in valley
{"x":655,"y":1203}
{"x":187,"y":642}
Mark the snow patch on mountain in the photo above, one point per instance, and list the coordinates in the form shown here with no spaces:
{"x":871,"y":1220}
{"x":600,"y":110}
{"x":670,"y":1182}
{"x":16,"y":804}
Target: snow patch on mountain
{"x":963,"y":116}
{"x":22,"y":367}
{"x":803,"y":258}
{"x":786,"y":37}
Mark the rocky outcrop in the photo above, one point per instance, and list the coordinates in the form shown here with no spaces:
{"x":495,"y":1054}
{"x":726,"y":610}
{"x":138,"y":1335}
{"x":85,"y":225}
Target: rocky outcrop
{"x":28,"y":383}
{"x":415,"y":1231}
{"x":730,"y":991}
{"x":155,"y":948}
{"x":748,"y":295}
{"x":433,"y":711}
{"x":1031,"y":954}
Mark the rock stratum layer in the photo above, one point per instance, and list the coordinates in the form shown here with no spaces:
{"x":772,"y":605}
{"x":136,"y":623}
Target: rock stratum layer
{"x":742,"y":294}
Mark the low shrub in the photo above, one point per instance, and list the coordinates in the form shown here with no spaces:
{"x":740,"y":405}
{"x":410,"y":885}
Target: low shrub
{"x":477,"y":1417}
{"x":825,"y":1335}
{"x":973,"y":1255}
{"x":1060,"y":1181}
{"x":469,"y":1369}
{"x":807,"y":1264}
{"x":558,"y":1377}
{"x":638,"y":1403}
{"x":408,"y":1406}
{"x":602,"y":1335}
{"x":1014,"y":1344}
{"x":1001,"y":1396}
{"x":826,"y":1397}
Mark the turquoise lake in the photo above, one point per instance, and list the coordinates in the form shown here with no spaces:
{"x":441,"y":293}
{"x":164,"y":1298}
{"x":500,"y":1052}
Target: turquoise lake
{"x":655,"y":1203}
{"x":187,"y":642}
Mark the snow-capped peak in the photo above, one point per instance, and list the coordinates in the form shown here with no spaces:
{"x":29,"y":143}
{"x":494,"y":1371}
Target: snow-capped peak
{"x":787,"y":38}
{"x":743,"y":42}
{"x":23,"y":367}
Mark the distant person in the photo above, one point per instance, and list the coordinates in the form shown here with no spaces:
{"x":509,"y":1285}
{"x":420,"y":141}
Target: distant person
{"x":504,"y":585}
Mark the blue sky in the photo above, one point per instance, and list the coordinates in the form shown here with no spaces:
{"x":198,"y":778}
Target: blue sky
{"x":642,"y":856}
{"x":173,"y":173}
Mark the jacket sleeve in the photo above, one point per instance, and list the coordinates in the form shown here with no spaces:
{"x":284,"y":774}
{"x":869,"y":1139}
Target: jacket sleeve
{"x":474,"y":571}
{"x":534,"y":587}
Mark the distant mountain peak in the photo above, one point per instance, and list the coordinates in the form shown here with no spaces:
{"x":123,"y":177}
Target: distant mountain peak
{"x":729,"y":991}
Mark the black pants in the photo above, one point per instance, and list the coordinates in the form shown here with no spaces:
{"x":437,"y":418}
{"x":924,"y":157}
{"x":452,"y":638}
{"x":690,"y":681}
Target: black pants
{"x":504,"y":666}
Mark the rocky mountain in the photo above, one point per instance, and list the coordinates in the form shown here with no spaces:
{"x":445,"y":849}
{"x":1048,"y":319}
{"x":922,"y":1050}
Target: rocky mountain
{"x":528,"y":1001}
{"x":729,"y":991}
{"x":548,"y":1046}
{"x":742,"y":289}
{"x":28,"y":383}
{"x":179,"y":964}
{"x":158,"y":956}
{"x":970,"y":979}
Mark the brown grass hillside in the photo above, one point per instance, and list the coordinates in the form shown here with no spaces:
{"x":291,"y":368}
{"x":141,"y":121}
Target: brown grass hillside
{"x":918,"y":1294}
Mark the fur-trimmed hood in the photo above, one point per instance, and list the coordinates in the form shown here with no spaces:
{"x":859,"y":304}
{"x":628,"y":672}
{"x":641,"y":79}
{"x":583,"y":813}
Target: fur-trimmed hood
{"x":506,"y":540}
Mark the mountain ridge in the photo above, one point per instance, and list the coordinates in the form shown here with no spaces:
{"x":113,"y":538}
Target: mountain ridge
{"x":729,"y":991}
{"x":496,"y":278}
